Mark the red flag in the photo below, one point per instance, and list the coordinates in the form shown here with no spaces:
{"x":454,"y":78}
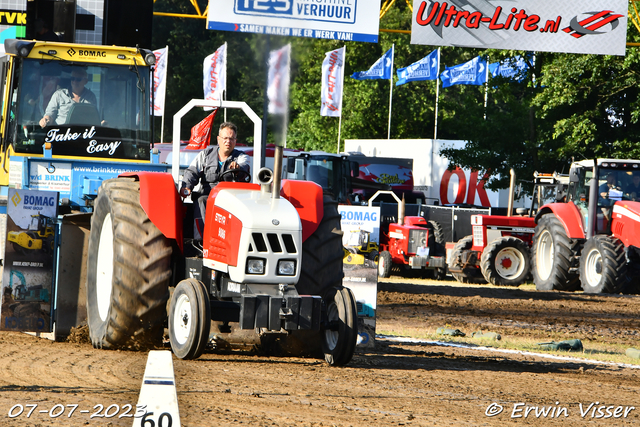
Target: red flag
{"x":201,"y":133}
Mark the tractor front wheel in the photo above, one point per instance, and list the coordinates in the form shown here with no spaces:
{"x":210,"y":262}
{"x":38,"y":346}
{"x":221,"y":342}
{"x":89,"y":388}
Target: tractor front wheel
{"x":384,"y":264}
{"x":189,"y":319}
{"x":603,"y":265}
{"x":128,"y":271}
{"x":505,"y":262}
{"x":340,"y":329}
{"x":469,"y":275}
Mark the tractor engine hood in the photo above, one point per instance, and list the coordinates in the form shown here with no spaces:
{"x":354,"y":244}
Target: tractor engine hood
{"x":243,"y":225}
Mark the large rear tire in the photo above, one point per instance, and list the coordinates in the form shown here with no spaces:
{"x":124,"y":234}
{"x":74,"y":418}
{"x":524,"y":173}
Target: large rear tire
{"x":321,"y":273}
{"x":603,"y":265}
{"x":322,"y":254}
{"x":128,"y":271}
{"x":472,"y":275}
{"x":340,"y":331}
{"x":552,"y":254}
{"x":506,"y":262}
{"x":438,"y":249}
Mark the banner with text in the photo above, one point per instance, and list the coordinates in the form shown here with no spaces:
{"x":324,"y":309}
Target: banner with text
{"x":27,"y":293}
{"x":588,"y":26}
{"x":332,"y":81}
{"x":278,"y":82}
{"x":160,"y":80}
{"x":349,"y":20}
{"x":214,"y":78}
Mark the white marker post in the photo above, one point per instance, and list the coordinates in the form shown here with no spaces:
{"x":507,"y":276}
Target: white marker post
{"x":158,"y":397}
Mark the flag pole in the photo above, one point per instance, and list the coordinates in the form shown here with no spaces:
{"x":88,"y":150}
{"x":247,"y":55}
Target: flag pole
{"x":344,"y":63}
{"x":390,"y":91}
{"x":435,"y":130}
{"x":224,"y":92}
{"x":486,"y":89}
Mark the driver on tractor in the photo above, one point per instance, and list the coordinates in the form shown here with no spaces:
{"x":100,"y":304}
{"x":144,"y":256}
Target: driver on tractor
{"x":212,"y":165}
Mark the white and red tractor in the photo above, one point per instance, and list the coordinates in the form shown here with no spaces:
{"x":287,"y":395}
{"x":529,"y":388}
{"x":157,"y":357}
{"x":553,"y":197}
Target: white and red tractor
{"x":269,"y":264}
{"x":592,"y":239}
{"x":498,"y":251}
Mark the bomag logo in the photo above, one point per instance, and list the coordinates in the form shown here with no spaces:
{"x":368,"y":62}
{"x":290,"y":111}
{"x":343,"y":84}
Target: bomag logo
{"x":71,"y":51}
{"x":16,"y":199}
{"x":92,"y":53}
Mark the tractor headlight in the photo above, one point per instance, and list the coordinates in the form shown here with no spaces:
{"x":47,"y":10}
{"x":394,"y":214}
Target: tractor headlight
{"x":255,"y":266}
{"x":286,"y":267}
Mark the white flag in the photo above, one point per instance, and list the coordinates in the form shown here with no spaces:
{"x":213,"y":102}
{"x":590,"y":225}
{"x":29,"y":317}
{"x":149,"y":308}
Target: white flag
{"x":332,"y":77}
{"x":160,"y":80}
{"x":278,"y":86}
{"x":215,"y":74}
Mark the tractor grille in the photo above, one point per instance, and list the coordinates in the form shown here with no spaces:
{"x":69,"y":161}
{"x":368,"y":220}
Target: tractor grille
{"x":417,"y":239}
{"x":273,"y":242}
{"x":478,"y":236}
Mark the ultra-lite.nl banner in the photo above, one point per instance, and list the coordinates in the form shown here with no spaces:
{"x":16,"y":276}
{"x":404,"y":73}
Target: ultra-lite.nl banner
{"x":587,"y":26}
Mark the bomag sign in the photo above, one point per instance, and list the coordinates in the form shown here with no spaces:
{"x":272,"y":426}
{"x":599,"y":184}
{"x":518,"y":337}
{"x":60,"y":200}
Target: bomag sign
{"x":86,"y":53}
{"x":12,"y":17}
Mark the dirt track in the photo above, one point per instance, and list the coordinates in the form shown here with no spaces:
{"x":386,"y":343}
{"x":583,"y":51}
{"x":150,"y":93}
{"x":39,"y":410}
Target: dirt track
{"x":397,"y":384}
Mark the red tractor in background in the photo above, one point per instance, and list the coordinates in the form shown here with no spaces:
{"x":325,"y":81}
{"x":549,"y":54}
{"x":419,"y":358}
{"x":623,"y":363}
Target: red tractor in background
{"x":593,"y":238}
{"x":413,"y":244}
{"x":268,"y":270}
{"x":498,"y":252}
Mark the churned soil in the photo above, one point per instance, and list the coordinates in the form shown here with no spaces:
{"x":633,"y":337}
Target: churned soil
{"x":397,"y":383}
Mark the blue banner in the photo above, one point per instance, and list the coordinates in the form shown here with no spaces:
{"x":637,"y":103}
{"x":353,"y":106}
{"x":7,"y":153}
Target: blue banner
{"x":425,"y":69}
{"x":510,"y":68}
{"x":380,"y":70}
{"x":473,"y":73}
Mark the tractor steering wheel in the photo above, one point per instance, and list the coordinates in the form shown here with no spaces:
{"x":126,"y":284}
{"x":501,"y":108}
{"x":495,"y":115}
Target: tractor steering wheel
{"x":236,"y":175}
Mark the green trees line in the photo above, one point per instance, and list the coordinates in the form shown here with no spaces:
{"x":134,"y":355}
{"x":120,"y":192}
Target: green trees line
{"x":567,"y":106}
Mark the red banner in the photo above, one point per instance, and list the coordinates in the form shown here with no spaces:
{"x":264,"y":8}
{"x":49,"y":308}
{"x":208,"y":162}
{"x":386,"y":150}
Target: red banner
{"x":201,"y":133}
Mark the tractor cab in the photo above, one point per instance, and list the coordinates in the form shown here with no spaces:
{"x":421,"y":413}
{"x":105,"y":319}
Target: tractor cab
{"x":106,"y":123}
{"x":615,"y":179}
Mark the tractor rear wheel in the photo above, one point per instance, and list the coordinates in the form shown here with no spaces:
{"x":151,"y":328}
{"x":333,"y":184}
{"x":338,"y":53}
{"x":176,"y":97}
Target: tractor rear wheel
{"x":128,"y":271}
{"x":474,"y":275}
{"x":437,"y":249}
{"x":384,"y":264}
{"x":506,"y":262}
{"x":322,"y":253}
{"x":340,"y":331}
{"x":189,"y":319}
{"x":552,"y":253}
{"x":603,"y":265}
{"x":321,"y":274}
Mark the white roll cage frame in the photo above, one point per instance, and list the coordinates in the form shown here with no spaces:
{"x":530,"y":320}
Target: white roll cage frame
{"x":257,"y":131}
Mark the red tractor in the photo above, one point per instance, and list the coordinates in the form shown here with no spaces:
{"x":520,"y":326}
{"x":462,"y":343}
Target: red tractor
{"x":593,"y":238}
{"x":413,"y":244}
{"x":498,"y":252}
{"x":269,"y":264}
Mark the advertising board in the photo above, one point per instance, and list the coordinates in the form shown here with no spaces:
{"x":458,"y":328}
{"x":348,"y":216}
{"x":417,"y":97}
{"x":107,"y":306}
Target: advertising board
{"x":28,"y":263}
{"x":348,"y":20}
{"x":588,"y":26}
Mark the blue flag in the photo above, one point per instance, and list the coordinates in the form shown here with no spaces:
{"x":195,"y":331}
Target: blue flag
{"x":473,"y":73}
{"x":425,"y":69}
{"x":380,"y":70}
{"x":511,"y":68}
